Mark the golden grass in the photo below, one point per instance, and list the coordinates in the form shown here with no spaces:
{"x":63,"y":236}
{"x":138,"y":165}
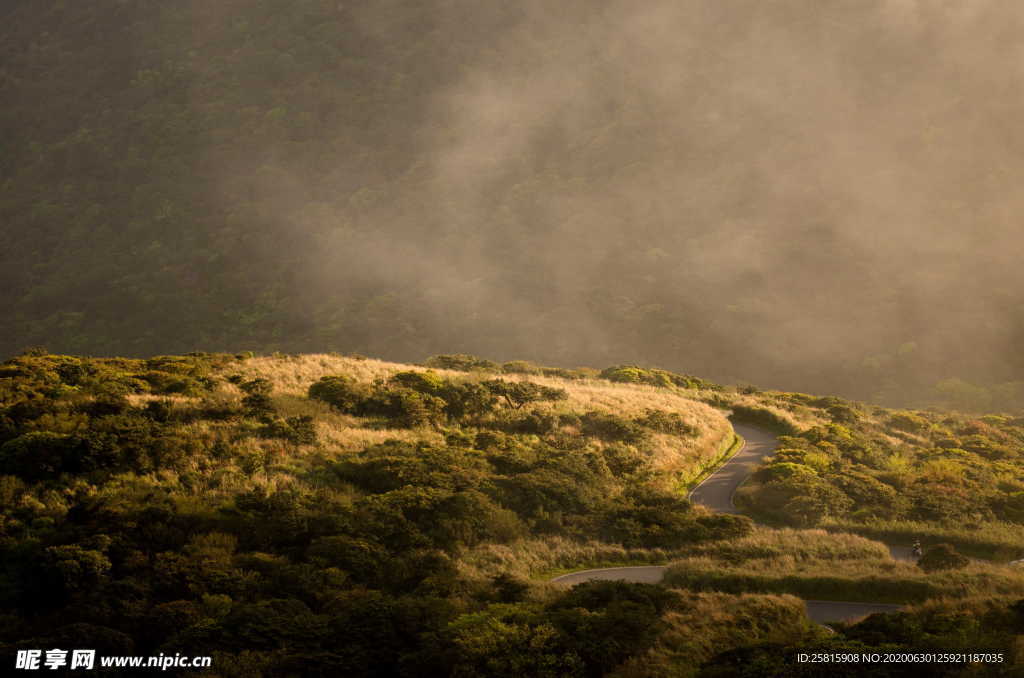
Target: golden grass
{"x":799,"y":545}
{"x":355,"y":438}
{"x":839,"y":566}
{"x":990,"y":540}
{"x":292,"y":376}
{"x":140,"y":399}
{"x":544,"y":558}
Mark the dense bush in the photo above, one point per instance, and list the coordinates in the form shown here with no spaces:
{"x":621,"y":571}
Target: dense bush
{"x":461,"y":362}
{"x":516,"y":394}
{"x":341,"y":392}
{"x":671,"y":423}
{"x":941,"y":557}
{"x":909,"y":422}
{"x":765,"y":417}
{"x":611,"y":427}
{"x":632,"y":374}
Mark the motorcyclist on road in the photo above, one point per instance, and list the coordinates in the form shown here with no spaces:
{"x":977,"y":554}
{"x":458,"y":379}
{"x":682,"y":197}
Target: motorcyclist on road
{"x":916,"y":551}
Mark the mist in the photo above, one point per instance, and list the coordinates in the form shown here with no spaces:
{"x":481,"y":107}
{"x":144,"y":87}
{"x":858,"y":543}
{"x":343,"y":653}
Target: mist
{"x":812,"y":195}
{"x":806,"y":183}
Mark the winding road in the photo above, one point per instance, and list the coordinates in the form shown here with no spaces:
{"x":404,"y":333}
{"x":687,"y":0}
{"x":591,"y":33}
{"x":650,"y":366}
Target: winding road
{"x":716,"y":492}
{"x":718,"y":488}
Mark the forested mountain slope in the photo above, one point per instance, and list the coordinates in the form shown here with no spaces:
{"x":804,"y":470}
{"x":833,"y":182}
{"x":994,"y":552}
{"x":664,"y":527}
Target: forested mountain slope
{"x":783,"y":193}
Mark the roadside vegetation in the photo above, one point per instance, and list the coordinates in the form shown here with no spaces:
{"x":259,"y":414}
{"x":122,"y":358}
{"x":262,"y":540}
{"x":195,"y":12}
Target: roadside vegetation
{"x":895,"y":475}
{"x":818,"y":565}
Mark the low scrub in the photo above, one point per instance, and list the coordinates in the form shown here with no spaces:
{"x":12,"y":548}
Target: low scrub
{"x":764,"y":417}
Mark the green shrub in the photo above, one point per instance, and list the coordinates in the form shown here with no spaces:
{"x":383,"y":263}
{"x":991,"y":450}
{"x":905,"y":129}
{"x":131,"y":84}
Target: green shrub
{"x":300,"y":430}
{"x":466,"y":400}
{"x":520,"y":367}
{"x":761,"y":416}
{"x":74,"y":372}
{"x":341,"y":392}
{"x":942,"y":557}
{"x":258,"y":405}
{"x":800,"y":498}
{"x":783,"y":470}
{"x":671,"y":423}
{"x":519,"y":393}
{"x":169,"y":383}
{"x":158,"y":410}
{"x":909,"y":422}
{"x":633,"y":374}
{"x":257,"y":386}
{"x":106,"y":406}
{"x":843,"y":414}
{"x":571,"y":374}
{"x":36,"y":455}
{"x":461,"y":362}
{"x":424,"y":382}
{"x":611,"y":428}
{"x":536,"y":423}
{"x":404,"y":407}
{"x":623,"y":460}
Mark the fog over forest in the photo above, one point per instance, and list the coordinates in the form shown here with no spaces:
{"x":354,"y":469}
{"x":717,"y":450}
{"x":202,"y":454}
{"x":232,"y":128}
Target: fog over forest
{"x":820,"y":195}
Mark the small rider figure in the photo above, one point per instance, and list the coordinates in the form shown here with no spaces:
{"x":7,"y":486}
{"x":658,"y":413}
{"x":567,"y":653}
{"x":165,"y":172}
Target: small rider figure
{"x":916,"y":551}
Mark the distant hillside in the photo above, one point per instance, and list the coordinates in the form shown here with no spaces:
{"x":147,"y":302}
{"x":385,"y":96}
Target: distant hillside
{"x":808,"y":196}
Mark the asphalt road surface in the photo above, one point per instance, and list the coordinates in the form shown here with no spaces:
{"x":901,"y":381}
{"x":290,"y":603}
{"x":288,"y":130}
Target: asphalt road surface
{"x":717,"y":489}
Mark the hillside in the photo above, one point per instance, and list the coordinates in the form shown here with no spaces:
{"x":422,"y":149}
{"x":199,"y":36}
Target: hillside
{"x":703,"y":186}
{"x":338,"y":515}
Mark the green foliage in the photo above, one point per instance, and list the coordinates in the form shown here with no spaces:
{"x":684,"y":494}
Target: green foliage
{"x":843,"y":414}
{"x":407,"y":408}
{"x":800,"y":496}
{"x":763,"y":417}
{"x":461,"y":362}
{"x":36,"y":455}
{"x":607,"y":622}
{"x":508,"y":641}
{"x":258,"y":386}
{"x":410,"y":399}
{"x":519,"y":393}
{"x":646,"y":517}
{"x":942,"y":557}
{"x":942,"y":469}
{"x":424,"y":382}
{"x":339,"y":391}
{"x":671,"y":423}
{"x":611,"y":428}
{"x":784,"y":470}
{"x":520,"y":367}
{"x":632,"y":374}
{"x":909,"y":422}
{"x":300,"y":430}
{"x":79,"y":569}
{"x":258,"y":405}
